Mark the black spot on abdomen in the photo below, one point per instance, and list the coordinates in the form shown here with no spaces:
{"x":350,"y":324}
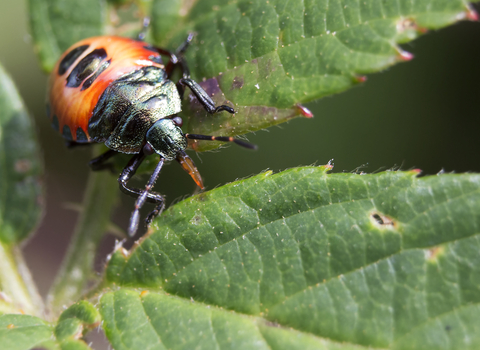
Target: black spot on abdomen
{"x":70,"y":58}
{"x":66,"y":132}
{"x":95,"y":75}
{"x":86,"y":67}
{"x":81,"y":136}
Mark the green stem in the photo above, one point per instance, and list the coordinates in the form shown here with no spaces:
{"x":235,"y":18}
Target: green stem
{"x":16,"y":282}
{"x":77,"y":268}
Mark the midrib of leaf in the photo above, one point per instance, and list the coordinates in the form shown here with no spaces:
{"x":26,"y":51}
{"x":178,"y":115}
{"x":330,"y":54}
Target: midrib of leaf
{"x":434,"y":319}
{"x":363,"y":267}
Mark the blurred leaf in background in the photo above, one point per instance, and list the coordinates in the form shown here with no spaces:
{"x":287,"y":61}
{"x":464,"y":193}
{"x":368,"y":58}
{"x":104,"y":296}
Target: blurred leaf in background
{"x":21,"y":167}
{"x":21,"y":199}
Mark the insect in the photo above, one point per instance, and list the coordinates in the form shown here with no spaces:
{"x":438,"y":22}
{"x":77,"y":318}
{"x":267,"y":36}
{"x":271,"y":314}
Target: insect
{"x":117,"y":91}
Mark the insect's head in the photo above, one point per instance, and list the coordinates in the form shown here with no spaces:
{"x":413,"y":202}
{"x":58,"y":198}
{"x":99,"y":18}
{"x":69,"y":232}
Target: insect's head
{"x":166,"y":138}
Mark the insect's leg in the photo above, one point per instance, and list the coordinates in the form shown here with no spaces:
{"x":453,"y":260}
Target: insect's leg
{"x":128,"y":172}
{"x":74,"y":144}
{"x":154,"y":213}
{"x":181,"y":49}
{"x":145,"y":25}
{"x":142,"y":198}
{"x":177,"y":59}
{"x":203,"y":97}
{"x":98,"y":163}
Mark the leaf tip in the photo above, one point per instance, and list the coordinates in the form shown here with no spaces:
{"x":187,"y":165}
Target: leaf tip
{"x":404,"y":56}
{"x":119,"y":248}
{"x":304,"y":111}
{"x":267,"y":173}
{"x":327,"y":167}
{"x":471,"y":14}
{"x":416,"y":172}
{"x":360,"y":79}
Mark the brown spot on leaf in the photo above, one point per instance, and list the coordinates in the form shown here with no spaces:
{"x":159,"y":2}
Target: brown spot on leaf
{"x":433,"y":253}
{"x":272,"y":324}
{"x":405,"y":24}
{"x":237,"y":83}
{"x":383,"y":220}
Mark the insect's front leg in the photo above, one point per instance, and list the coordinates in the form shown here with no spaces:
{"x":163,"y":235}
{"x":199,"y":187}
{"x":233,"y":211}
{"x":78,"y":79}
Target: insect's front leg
{"x":127,"y":174}
{"x":203,"y":97}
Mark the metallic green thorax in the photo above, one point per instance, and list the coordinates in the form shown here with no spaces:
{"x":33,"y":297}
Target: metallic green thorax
{"x":130,"y":106}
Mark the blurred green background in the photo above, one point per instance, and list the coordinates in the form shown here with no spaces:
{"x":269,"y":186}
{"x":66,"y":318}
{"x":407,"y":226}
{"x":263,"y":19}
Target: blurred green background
{"x":421,"y":114}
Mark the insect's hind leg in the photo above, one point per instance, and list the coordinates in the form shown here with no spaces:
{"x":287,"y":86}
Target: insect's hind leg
{"x":99,"y":163}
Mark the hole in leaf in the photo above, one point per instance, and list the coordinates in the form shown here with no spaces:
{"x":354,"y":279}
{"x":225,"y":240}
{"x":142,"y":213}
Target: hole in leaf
{"x":383,"y":220}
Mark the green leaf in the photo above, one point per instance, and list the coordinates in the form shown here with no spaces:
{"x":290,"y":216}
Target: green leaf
{"x":303,"y":258}
{"x":58,"y":24}
{"x":265,"y":57}
{"x":21,"y":167}
{"x":74,"y":321}
{"x":23,"y":332}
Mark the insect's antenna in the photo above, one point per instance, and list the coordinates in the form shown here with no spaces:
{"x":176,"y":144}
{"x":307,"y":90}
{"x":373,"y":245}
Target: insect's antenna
{"x":221,"y":138}
{"x":134,"y":219}
{"x":145,"y":25}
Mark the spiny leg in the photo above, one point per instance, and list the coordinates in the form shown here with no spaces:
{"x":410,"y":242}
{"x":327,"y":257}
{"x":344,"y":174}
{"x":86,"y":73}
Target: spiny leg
{"x":132,"y":228}
{"x":128,"y":172}
{"x":177,"y":60}
{"x":203,"y":97}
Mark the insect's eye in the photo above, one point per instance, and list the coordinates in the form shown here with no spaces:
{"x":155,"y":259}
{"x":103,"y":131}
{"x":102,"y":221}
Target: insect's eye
{"x":178,"y":121}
